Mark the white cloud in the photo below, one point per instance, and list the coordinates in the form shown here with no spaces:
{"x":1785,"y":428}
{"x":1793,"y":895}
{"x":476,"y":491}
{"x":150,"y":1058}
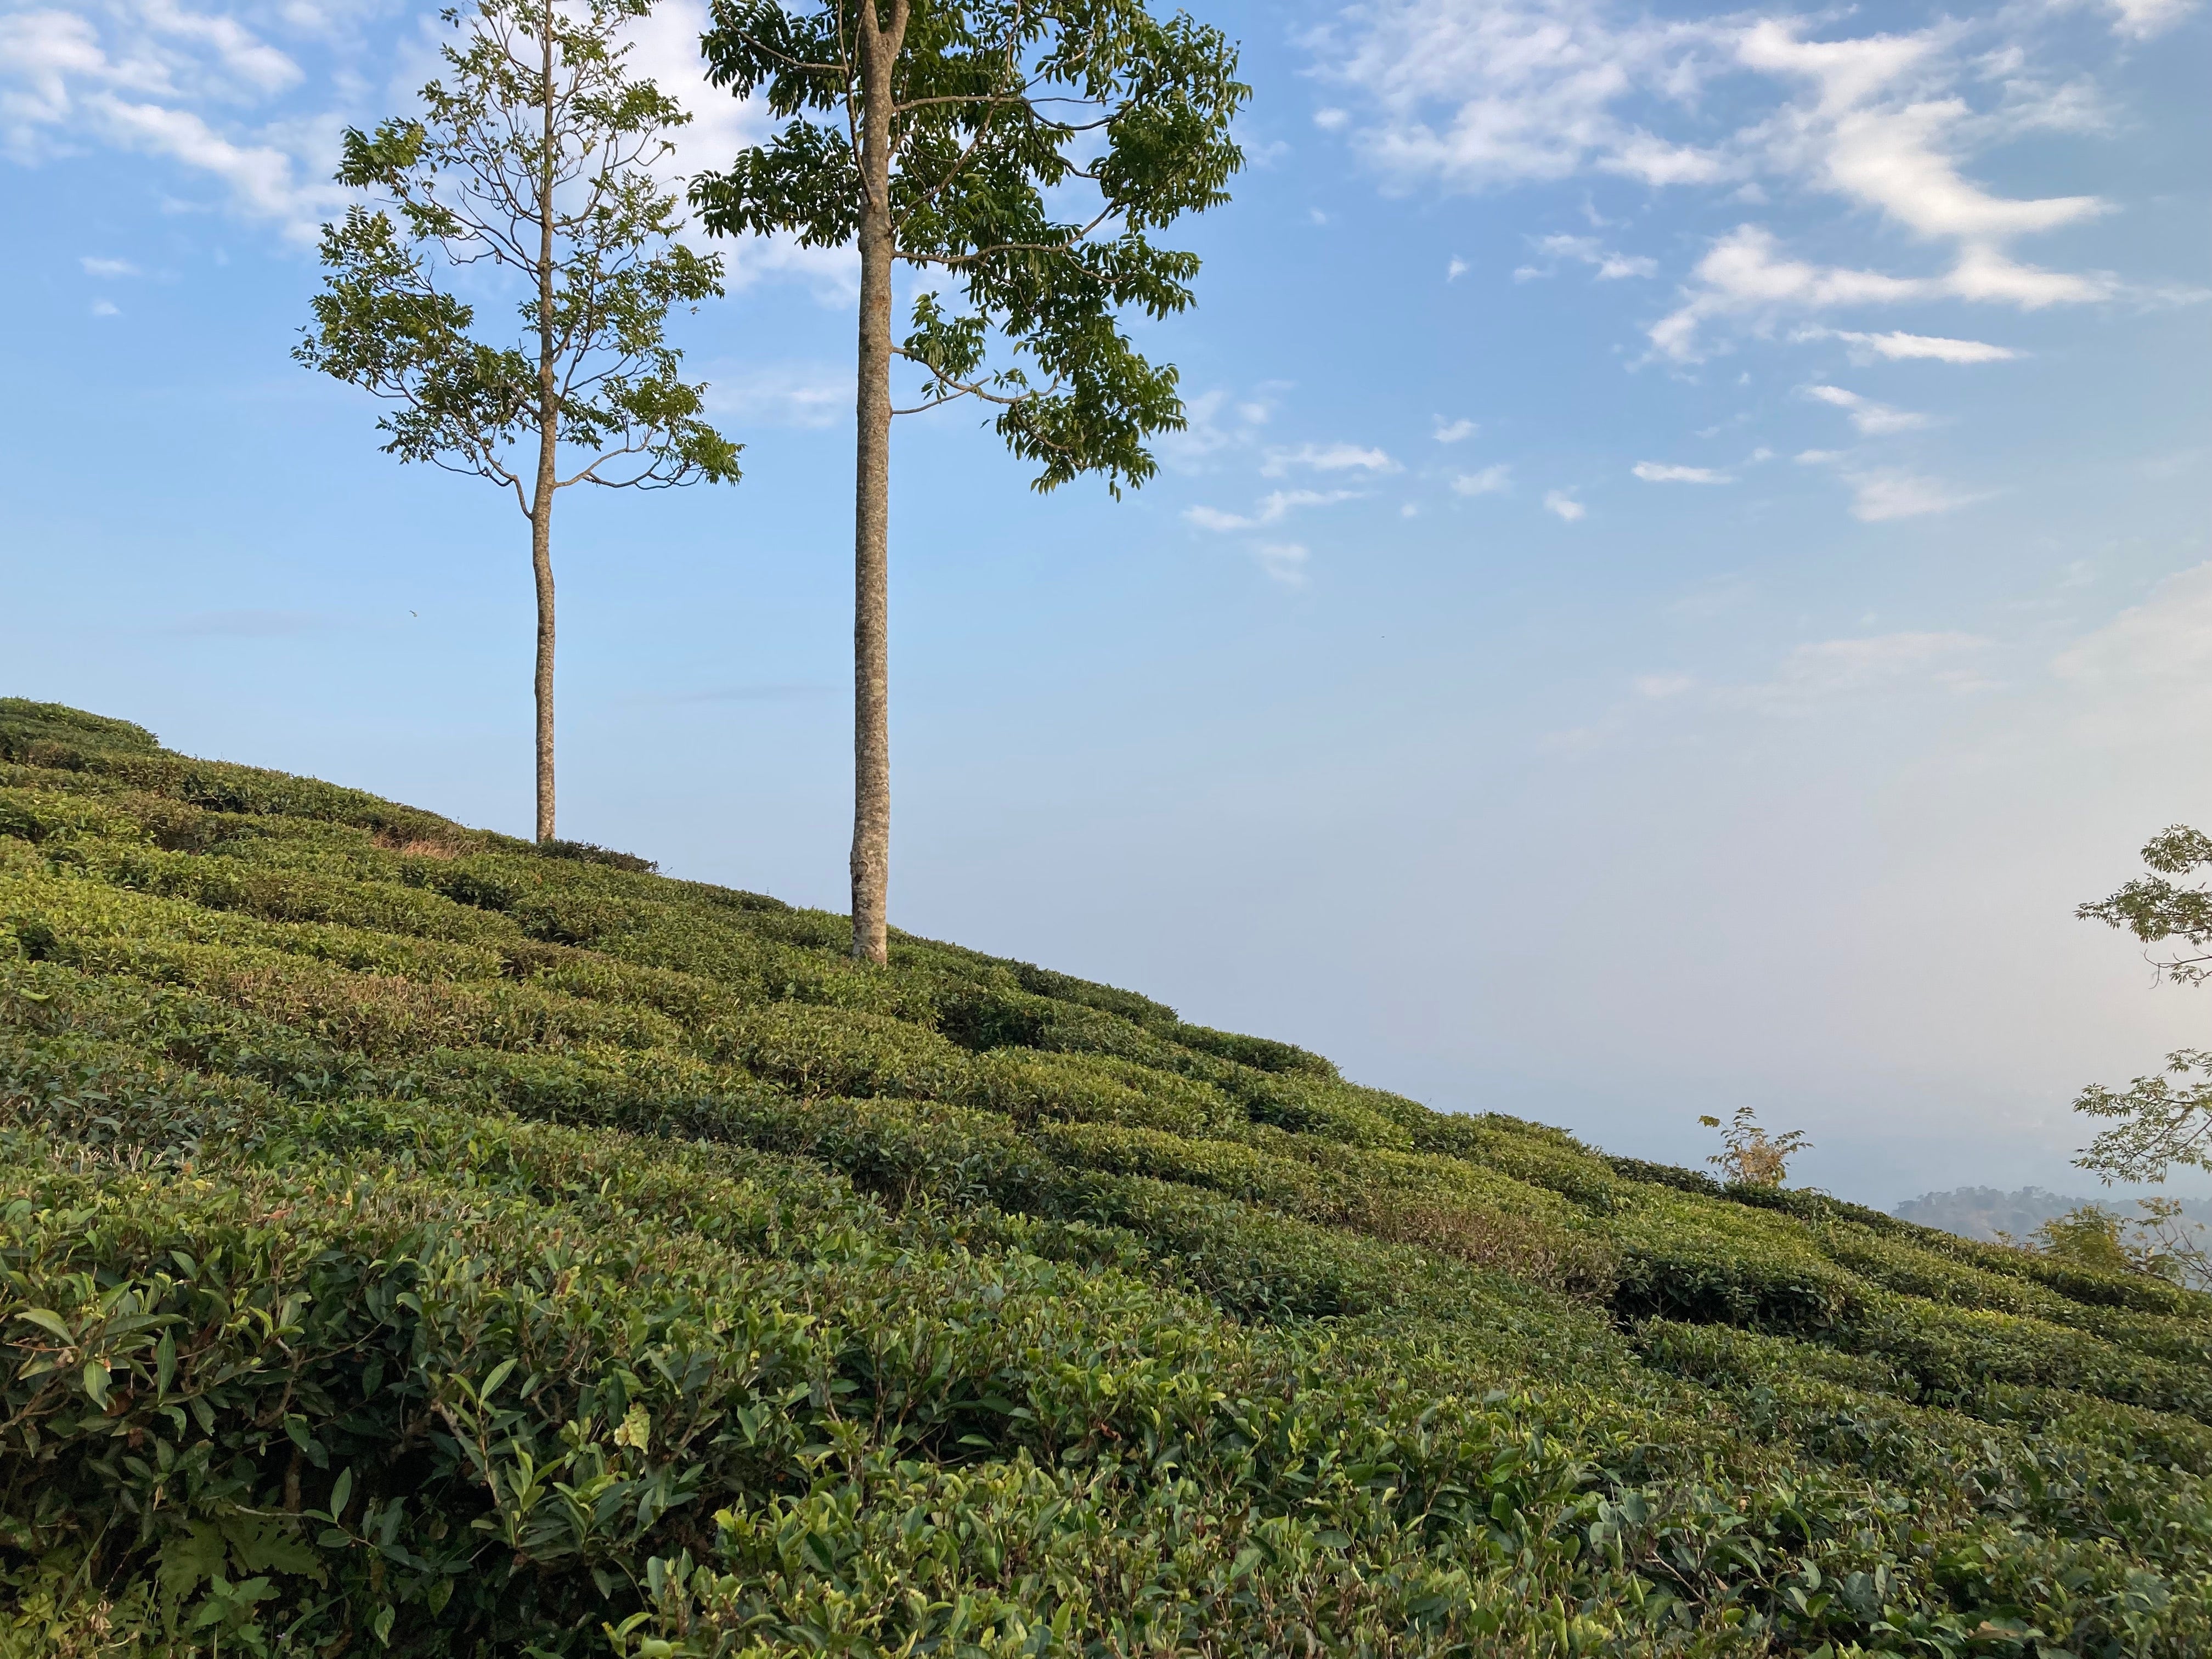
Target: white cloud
{"x":1488,"y":94}
{"x":262,"y":178}
{"x":1455,"y":431}
{"x":105,"y":309}
{"x":1817,"y":457}
{"x":1285,"y":561}
{"x":1868,"y":416}
{"x":1610,"y":266}
{"x":242,"y":55}
{"x":1490,"y":481}
{"x":1558,"y":501}
{"x":1872,"y":134}
{"x":1332,"y":120}
{"x":1879,"y":496}
{"x":1896,"y":345}
{"x":155,"y":78}
{"x":1216,"y":424}
{"x":1212,"y":518}
{"x":1481,"y":94}
{"x":107,"y":268}
{"x":664,"y":46}
{"x":1272,"y":509}
{"x":2139,"y":20}
{"x":206,"y":93}
{"x":1744,"y":274}
{"x":1457,"y":269}
{"x":833,"y":273}
{"x":1657,"y":687}
{"x":1328,"y":458}
{"x":1661,"y":472}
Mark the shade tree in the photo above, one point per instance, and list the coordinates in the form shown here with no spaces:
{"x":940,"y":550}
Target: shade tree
{"x":530,"y":174}
{"x":1019,"y":156}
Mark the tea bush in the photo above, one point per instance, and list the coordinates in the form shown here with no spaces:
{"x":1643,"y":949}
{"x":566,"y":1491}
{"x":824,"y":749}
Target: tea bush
{"x":417,"y":1242}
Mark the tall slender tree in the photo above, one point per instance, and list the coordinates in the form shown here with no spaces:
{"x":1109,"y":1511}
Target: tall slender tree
{"x":533,"y":160}
{"x":1020,"y":154}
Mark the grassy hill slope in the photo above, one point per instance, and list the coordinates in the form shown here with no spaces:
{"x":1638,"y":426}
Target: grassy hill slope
{"x":413,"y":1242}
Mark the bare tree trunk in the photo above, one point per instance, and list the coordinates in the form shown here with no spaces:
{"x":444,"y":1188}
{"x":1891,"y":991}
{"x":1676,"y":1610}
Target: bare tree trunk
{"x":549,"y":435}
{"x":541,"y":564}
{"x":872,"y":748}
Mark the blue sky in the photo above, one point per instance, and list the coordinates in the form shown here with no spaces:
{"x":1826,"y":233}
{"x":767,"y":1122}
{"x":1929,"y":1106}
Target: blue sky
{"x":1689,"y":559}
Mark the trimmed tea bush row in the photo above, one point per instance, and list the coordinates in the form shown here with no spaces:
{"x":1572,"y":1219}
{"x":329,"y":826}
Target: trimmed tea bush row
{"x":417,"y":1242}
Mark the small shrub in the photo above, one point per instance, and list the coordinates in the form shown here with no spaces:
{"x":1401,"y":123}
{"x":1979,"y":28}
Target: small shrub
{"x":1749,"y":1155}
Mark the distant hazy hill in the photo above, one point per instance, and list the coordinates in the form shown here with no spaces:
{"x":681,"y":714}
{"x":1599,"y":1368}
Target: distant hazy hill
{"x":1984,"y":1212}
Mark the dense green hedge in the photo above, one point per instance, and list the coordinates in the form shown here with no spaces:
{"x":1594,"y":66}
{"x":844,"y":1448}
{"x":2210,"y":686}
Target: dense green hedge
{"x":417,"y":1242}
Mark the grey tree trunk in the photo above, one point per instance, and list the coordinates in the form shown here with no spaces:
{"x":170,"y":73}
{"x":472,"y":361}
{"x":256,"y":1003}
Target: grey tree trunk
{"x":541,"y":564}
{"x":871,"y":748}
{"x":549,"y":435}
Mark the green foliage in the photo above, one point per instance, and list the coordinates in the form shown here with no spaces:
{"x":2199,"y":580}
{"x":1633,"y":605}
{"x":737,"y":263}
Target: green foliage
{"x":2089,"y":1237}
{"x":2158,"y":1121}
{"x":411,"y":1242}
{"x":1034,"y":149}
{"x":23,"y":723}
{"x":566,"y":205}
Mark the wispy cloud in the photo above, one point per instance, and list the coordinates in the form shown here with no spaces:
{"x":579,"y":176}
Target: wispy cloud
{"x":107,"y":268}
{"x":1328,"y":458}
{"x":1454,"y":432}
{"x":1566,"y":506}
{"x":1744,"y":274}
{"x":1494,"y":480}
{"x":1219,"y":421}
{"x":154,"y":78}
{"x":1896,"y":345}
{"x":1610,"y":266}
{"x":1663,"y":472}
{"x":2139,"y":20}
{"x":1272,"y":509}
{"x":1870,"y":417}
{"x":1492,"y":93}
{"x":1878,"y":497}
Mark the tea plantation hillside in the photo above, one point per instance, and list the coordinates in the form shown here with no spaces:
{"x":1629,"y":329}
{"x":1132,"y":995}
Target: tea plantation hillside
{"x":414,"y":1242}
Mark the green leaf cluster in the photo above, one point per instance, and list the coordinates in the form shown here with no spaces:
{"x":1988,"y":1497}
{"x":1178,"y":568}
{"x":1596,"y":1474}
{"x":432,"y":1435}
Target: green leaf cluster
{"x":1038,"y":146}
{"x":568,"y":209}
